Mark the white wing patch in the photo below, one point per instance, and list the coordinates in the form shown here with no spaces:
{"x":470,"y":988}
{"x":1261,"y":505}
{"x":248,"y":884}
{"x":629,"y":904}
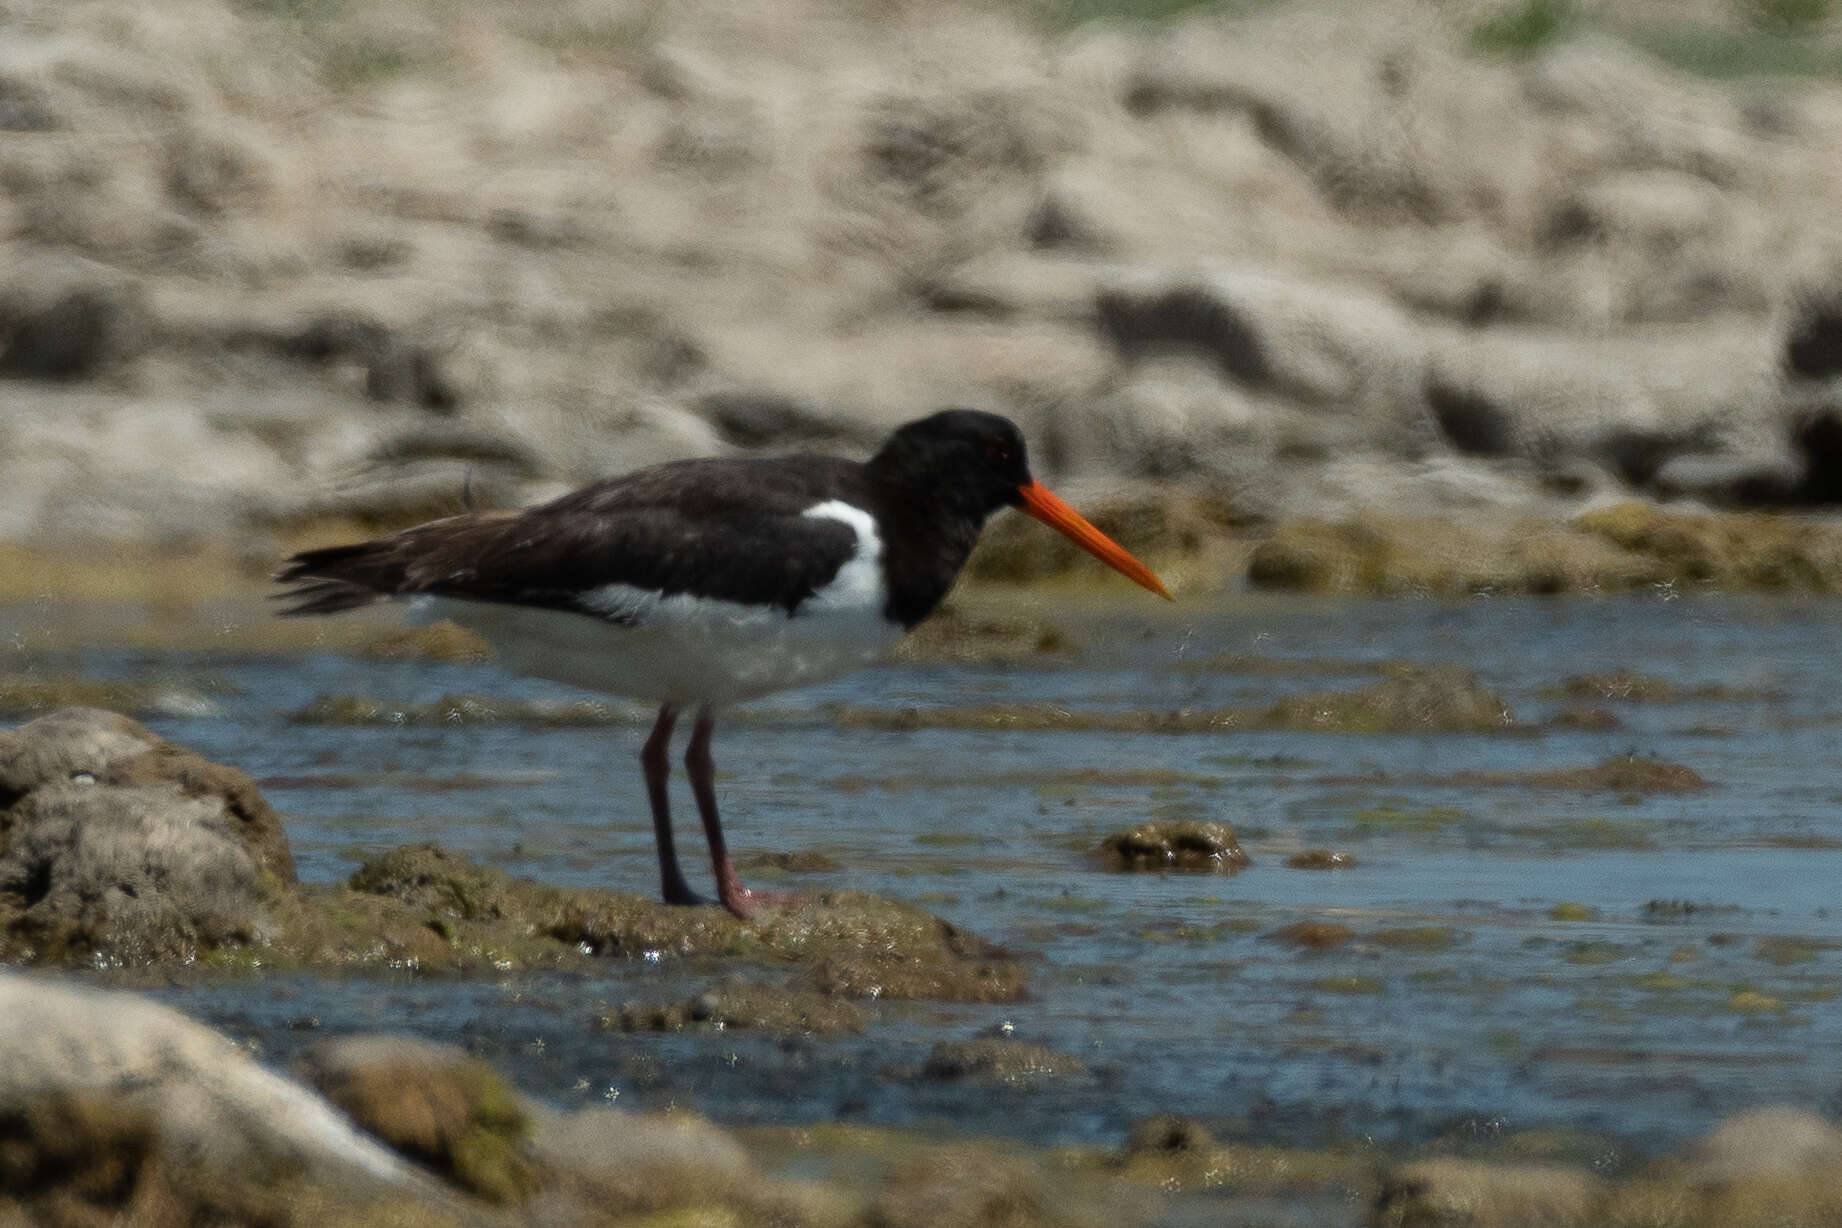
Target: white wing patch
{"x":859,"y":582}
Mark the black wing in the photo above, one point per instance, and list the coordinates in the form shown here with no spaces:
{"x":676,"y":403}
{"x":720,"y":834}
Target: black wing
{"x":730,"y":530}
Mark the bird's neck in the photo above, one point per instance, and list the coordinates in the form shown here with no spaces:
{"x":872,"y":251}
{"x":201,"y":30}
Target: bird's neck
{"x":925,"y":543}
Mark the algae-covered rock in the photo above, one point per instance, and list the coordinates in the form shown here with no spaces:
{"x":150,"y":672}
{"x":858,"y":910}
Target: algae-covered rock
{"x":998,"y":1059}
{"x":771,"y":1008}
{"x":1321,"y":859}
{"x":429,"y":878}
{"x":116,"y":845}
{"x":433,"y":1103}
{"x":1313,"y":935}
{"x":1410,"y":698}
{"x":1187,"y":844}
{"x":1620,"y":774}
{"x":1731,"y":550}
{"x":1624,"y":547}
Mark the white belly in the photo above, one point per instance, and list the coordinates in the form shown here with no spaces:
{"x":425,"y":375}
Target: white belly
{"x":688,"y":651}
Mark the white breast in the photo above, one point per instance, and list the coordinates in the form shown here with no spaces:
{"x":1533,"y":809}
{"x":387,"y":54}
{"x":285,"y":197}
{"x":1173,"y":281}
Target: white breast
{"x":696,"y":650}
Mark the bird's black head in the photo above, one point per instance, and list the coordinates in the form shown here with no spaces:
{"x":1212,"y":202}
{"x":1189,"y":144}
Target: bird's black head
{"x":973,"y":462}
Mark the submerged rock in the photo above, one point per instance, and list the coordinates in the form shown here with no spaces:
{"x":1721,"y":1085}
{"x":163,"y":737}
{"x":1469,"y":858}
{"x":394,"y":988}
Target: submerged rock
{"x":998,"y":1059}
{"x":772,"y":1008}
{"x":1313,"y":935}
{"x":1321,"y":859}
{"x":116,"y":845}
{"x":1189,"y":844}
{"x":1620,"y":774}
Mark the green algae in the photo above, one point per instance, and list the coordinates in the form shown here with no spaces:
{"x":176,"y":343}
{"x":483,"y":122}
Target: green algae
{"x":1588,"y":833}
{"x":1570,"y":911}
{"x":1321,"y":859}
{"x":1415,"y":937}
{"x":1372,"y":820}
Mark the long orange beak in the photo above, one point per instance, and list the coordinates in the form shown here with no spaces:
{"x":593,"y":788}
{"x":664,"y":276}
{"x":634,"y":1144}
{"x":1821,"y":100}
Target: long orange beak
{"x":1038,"y":502}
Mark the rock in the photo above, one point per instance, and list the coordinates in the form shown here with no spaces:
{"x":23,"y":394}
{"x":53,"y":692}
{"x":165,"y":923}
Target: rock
{"x":1620,"y":774}
{"x":70,"y":335}
{"x":1321,"y":859}
{"x":395,"y":368}
{"x":626,"y":1165}
{"x":1762,"y":1143}
{"x":118,"y":1104}
{"x":433,"y":1103}
{"x":1486,"y":1194}
{"x":1185,"y":845}
{"x":993,"y":1059}
{"x":1313,"y":935}
{"x":1167,"y":1134}
{"x":721,"y":1007}
{"x":1410,"y":698}
{"x":120,"y":846}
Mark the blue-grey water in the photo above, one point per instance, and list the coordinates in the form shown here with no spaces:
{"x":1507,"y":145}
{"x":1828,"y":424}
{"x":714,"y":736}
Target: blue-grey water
{"x":1703,"y":978}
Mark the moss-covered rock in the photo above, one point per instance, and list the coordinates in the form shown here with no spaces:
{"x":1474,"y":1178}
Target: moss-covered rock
{"x":1188,"y":844}
{"x":118,"y":846}
{"x":1321,"y":859}
{"x":435,"y":1104}
{"x":734,"y":1005}
{"x":1312,"y":935}
{"x":998,"y":1059}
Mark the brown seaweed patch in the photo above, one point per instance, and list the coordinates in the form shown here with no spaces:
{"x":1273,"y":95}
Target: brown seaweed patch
{"x":770,"y":1008}
{"x":1629,"y":686}
{"x":1312,"y":935}
{"x":1620,"y":774}
{"x":1437,"y":699}
{"x":1189,"y":845}
{"x":1321,"y":859}
{"x":998,"y":1059}
{"x":1415,"y":937}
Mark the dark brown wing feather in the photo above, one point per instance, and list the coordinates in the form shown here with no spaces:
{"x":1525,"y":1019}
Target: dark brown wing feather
{"x":731,"y":530}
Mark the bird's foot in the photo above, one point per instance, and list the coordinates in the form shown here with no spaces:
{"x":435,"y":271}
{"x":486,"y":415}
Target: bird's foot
{"x":742,"y":901}
{"x":680,"y":895}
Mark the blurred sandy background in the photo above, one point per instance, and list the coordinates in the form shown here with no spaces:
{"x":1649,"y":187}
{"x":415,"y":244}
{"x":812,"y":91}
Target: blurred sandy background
{"x":267,"y":265}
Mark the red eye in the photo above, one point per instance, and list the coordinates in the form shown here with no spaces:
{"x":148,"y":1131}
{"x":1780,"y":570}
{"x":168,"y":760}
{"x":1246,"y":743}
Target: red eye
{"x":997,"y":450}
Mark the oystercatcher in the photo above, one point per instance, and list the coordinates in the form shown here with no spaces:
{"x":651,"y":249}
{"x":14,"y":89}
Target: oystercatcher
{"x":703,"y":582}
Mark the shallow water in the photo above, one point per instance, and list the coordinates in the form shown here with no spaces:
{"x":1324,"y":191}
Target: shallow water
{"x":1702,"y":978}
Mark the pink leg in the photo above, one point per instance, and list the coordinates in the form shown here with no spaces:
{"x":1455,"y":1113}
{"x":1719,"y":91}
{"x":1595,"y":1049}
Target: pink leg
{"x":655,"y":758}
{"x":698,"y":764}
